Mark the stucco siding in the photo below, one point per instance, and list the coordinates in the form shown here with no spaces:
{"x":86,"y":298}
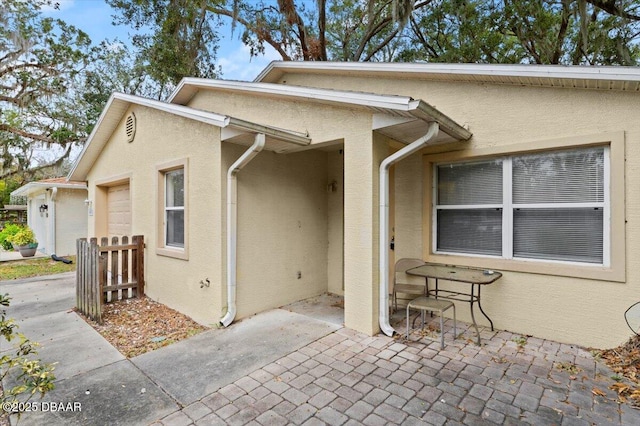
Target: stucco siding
{"x":325,"y":123}
{"x":335,"y":223}
{"x":282,"y":228}
{"x":162,"y":138}
{"x":564,"y":308}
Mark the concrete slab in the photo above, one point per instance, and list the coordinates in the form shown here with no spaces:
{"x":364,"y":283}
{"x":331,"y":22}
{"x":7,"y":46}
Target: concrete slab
{"x":53,"y":326}
{"x":10,"y":256}
{"x":117,"y":394}
{"x":40,"y":295}
{"x":326,"y":307}
{"x":69,"y":342}
{"x":200,"y":365}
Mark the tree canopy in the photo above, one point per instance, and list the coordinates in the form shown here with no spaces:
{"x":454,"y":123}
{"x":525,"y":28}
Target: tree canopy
{"x":589,"y":32}
{"x":41,"y":61}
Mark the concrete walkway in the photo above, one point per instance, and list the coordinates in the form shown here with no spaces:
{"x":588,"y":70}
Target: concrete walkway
{"x":282,"y":367}
{"x":8,"y":256}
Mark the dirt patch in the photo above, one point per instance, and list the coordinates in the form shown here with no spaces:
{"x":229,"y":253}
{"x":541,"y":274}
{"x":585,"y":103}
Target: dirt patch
{"x":136,"y":326}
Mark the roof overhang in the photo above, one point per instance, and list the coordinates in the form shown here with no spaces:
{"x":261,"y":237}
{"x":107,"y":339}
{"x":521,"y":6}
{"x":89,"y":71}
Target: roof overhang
{"x":35,"y":187}
{"x":574,"y":76}
{"x":234,"y":130}
{"x":399,"y":117}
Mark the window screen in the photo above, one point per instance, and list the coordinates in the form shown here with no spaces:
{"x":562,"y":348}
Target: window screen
{"x":553,"y":208}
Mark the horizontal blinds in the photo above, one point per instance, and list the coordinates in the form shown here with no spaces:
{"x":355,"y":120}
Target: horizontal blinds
{"x":175,"y":228}
{"x":559,"y":234}
{"x":477,"y":231}
{"x":470,"y":183}
{"x":559,"y":177}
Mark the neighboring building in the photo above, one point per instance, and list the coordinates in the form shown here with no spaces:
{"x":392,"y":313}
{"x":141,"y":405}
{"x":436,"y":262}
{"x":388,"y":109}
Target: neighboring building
{"x":527,"y":175}
{"x":57,"y":213}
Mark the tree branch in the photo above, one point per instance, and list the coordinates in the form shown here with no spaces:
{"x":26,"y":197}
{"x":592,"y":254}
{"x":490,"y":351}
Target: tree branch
{"x":611,"y":8}
{"x":266,"y":37}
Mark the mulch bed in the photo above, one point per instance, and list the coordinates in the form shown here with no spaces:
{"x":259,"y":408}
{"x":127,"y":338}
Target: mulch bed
{"x":136,"y":326}
{"x":625,"y":362}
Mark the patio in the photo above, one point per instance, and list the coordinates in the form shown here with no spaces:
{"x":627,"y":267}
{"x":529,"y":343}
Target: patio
{"x":350,"y":378}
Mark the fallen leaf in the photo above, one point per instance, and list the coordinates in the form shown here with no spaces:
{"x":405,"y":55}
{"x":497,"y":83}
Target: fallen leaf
{"x":598,"y":392}
{"x":620,"y":388}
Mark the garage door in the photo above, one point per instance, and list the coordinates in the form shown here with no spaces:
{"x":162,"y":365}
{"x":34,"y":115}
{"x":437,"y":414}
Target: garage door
{"x":119,"y":211}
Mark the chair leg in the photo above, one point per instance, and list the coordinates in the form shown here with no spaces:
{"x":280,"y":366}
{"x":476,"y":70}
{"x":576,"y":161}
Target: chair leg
{"x":407,"y":322}
{"x":455,"y":333}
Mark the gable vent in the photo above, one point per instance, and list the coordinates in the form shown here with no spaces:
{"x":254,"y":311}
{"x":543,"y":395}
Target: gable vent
{"x":130,"y":127}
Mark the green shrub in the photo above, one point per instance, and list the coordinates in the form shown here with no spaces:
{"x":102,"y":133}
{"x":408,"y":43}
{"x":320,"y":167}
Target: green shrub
{"x":24,"y":237}
{"x":7,"y":233}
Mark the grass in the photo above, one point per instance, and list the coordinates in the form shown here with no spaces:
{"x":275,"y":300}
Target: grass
{"x":33,"y":268}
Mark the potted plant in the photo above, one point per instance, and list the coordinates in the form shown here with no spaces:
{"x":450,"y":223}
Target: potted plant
{"x":26,"y":241}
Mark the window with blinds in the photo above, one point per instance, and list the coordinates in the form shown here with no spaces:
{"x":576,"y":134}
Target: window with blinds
{"x":549,"y":206}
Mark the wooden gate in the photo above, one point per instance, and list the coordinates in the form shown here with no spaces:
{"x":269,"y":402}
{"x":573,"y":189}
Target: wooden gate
{"x":108,"y":272}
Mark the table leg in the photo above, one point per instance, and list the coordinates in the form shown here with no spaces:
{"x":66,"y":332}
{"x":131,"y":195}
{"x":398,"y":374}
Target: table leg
{"x":482,"y":310}
{"x":473,"y":317}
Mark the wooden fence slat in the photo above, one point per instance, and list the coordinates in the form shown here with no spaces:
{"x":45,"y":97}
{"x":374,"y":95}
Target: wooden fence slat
{"x":125,"y":268}
{"x":95,"y":261}
{"x":126,"y":262}
{"x":114,"y":268}
{"x":139,"y":239}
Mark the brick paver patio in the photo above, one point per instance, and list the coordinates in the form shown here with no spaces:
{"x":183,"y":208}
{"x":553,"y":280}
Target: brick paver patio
{"x":350,"y":378}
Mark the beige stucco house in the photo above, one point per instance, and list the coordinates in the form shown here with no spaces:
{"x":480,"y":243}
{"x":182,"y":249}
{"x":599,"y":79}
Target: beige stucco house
{"x":276,"y":190}
{"x":57,"y":213}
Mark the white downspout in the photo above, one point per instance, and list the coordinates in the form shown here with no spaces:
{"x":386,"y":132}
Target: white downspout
{"x":52,"y":221}
{"x":384,"y":221}
{"x":232,"y":224}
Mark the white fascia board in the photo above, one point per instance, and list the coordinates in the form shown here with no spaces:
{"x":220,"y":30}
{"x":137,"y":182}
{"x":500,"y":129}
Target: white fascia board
{"x":612,"y":73}
{"x":386,"y":103}
{"x":426,"y":112}
{"x":281,"y":134}
{"x":182,"y":111}
{"x":33,"y":187}
{"x":402,"y":103}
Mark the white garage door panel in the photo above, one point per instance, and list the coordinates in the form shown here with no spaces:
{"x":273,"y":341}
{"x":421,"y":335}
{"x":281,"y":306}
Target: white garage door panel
{"x":119,"y":211}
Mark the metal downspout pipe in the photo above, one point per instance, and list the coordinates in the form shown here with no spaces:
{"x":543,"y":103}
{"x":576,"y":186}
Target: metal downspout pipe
{"x":232,"y":224}
{"x":384,"y":221}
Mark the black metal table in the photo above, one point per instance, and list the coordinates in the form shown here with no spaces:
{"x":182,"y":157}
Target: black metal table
{"x":472,"y":276}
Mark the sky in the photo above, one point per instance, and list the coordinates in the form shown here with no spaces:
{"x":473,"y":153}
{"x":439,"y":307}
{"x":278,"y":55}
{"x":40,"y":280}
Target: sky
{"x":95,"y":18}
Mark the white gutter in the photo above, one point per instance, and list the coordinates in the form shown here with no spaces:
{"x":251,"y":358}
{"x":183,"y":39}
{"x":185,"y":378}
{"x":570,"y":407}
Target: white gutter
{"x":52,"y":220}
{"x":232,"y":224}
{"x":384,"y":221}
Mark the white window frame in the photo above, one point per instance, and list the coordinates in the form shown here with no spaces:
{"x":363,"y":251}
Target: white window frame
{"x":167,"y":208}
{"x":162,"y":248}
{"x":508,"y":208}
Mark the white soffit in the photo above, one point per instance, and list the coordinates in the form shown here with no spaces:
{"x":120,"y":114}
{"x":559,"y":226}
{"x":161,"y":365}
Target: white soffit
{"x":565,"y":76}
{"x":119,"y":103}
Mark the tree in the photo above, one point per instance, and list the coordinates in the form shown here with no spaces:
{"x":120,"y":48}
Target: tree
{"x":320,"y":30}
{"x":40,"y":62}
{"x":182,"y":38}
{"x":590,"y":32}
